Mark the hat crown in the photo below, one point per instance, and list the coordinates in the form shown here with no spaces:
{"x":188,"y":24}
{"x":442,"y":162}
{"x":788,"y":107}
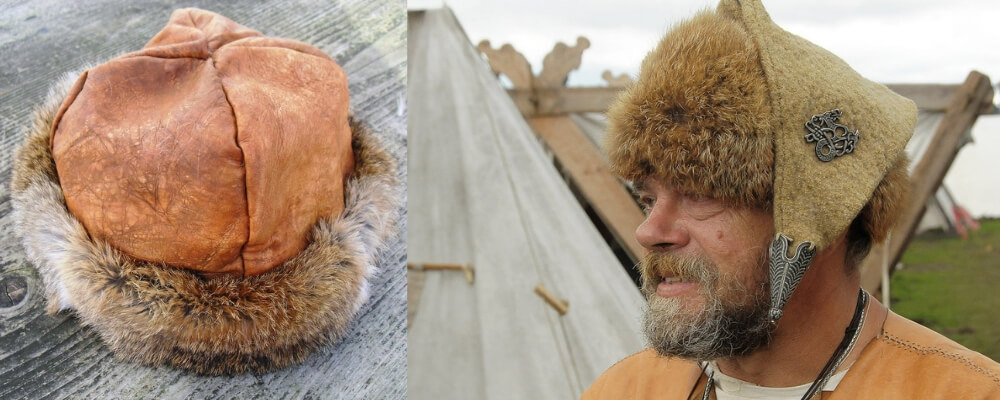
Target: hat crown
{"x":194,"y":32}
{"x":213,"y":149}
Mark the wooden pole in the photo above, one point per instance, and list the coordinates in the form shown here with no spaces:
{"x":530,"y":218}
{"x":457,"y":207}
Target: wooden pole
{"x":973,"y":96}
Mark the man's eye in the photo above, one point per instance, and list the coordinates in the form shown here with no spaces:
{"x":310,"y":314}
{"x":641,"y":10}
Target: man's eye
{"x":704,"y":207}
{"x":646,"y":202}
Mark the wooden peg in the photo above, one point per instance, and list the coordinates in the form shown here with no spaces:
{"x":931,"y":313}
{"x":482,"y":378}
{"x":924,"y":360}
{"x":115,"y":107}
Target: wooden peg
{"x":562,"y":306}
{"x":470,"y":273}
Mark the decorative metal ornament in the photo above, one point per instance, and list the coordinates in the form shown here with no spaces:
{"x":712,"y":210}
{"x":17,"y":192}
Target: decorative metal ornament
{"x":832,"y":139}
{"x":786,"y":273}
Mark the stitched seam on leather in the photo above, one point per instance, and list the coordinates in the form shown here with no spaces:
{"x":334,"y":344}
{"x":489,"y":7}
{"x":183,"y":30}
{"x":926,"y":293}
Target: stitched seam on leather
{"x":57,"y":116}
{"x":250,"y":46}
{"x":194,"y":24}
{"x":137,"y":54}
{"x":236,"y":140}
{"x":922,"y":350}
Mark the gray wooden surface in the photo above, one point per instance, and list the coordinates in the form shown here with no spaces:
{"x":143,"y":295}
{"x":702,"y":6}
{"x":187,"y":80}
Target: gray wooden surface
{"x":53,"y":356}
{"x":487,"y":195}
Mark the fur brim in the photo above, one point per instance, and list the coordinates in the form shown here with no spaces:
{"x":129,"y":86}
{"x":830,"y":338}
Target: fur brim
{"x":698,"y":116}
{"x":157,"y":315}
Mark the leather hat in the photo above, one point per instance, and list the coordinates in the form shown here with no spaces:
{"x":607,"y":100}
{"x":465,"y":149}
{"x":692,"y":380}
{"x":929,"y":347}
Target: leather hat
{"x":208,"y":201}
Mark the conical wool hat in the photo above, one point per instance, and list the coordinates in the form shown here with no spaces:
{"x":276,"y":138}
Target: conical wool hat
{"x":836,"y":135}
{"x":815,"y":200}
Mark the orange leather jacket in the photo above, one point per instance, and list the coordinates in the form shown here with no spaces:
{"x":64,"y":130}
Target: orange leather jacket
{"x":905,"y":361}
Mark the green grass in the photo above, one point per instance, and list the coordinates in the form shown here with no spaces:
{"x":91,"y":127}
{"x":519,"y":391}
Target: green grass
{"x":952,"y":286}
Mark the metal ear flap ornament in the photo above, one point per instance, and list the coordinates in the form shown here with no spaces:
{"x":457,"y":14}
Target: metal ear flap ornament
{"x":832,"y":139}
{"x":785,"y":272}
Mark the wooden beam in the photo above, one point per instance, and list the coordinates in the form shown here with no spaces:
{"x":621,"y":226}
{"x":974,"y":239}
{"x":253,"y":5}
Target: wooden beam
{"x":933,"y":96}
{"x":929,"y":97}
{"x":561,"y":101}
{"x":558,"y":101}
{"x":592,"y":176}
{"x":965,"y":106}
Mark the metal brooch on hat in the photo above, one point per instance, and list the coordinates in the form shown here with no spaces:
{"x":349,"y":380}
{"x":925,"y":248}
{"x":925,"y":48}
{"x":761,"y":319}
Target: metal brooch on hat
{"x":832,"y":139}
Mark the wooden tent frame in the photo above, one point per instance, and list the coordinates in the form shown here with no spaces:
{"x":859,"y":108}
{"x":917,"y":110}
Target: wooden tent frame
{"x":582,"y":161}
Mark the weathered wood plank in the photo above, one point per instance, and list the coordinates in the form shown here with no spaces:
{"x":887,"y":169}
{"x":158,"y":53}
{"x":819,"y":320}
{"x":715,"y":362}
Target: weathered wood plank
{"x":563,"y":100}
{"x":930,"y":97}
{"x":52,"y":355}
{"x":925,"y":177}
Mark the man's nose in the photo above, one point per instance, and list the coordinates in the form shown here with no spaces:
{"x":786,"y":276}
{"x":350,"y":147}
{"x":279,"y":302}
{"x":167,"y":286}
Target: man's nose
{"x":660,"y":230}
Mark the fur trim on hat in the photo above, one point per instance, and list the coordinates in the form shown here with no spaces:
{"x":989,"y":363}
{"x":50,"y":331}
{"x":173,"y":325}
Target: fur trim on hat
{"x":152,"y":314}
{"x":698,"y":116}
{"x":885,"y":207}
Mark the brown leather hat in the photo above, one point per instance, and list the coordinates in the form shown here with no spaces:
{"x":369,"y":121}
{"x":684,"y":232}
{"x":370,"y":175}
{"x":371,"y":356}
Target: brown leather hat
{"x":206,"y":202}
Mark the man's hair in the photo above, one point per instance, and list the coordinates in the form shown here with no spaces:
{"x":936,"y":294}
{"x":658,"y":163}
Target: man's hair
{"x":859,"y":244}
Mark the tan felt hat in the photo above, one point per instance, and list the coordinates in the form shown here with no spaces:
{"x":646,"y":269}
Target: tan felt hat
{"x":731,"y":106}
{"x":206,"y":202}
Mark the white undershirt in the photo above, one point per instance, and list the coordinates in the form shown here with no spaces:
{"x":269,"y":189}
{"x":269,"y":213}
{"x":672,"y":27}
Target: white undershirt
{"x":729,"y":388}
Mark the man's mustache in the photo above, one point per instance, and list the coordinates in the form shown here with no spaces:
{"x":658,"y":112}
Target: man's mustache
{"x":654,"y":267}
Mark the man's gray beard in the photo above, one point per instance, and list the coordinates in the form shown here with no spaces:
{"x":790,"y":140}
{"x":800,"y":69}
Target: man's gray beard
{"x":726,"y":327}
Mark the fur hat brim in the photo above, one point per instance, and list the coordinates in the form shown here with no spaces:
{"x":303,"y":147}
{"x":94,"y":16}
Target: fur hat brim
{"x":153,"y":314}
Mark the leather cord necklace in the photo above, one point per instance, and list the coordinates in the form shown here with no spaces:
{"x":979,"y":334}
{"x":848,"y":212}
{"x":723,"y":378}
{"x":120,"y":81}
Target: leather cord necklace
{"x":846,"y":345}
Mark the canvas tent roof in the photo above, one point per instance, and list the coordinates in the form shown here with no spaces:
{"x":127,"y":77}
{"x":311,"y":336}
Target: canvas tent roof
{"x":488,"y":196}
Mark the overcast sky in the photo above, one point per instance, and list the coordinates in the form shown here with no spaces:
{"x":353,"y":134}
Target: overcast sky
{"x":888,"y":41}
{"x":885,"y":40}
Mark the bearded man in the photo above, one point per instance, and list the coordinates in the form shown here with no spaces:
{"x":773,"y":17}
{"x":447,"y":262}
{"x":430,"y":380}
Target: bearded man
{"x":768,"y":168}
